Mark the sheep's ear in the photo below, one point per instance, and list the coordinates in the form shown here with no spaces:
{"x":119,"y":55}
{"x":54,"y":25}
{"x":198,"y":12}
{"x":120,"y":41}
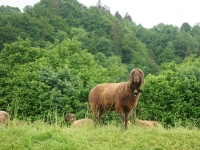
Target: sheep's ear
{"x":142,"y":77}
{"x":131,"y":76}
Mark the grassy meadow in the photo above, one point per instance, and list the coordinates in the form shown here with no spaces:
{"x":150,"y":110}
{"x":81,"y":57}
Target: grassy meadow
{"x":41,"y":136}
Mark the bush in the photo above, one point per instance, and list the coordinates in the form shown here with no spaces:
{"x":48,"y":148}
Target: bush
{"x":173,"y":95}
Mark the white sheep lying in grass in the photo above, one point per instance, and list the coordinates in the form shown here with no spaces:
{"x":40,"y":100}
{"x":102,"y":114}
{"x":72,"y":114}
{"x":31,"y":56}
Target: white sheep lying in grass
{"x":71,"y":118}
{"x":143,"y":123}
{"x":147,"y":124}
{"x":4,"y":118}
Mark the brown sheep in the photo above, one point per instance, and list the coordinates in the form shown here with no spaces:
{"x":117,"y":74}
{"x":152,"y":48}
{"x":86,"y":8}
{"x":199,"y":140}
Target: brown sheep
{"x":121,"y":97}
{"x":4,"y":118}
{"x":71,"y":118}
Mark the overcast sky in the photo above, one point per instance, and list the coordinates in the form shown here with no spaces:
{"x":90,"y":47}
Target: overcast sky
{"x":148,"y":13}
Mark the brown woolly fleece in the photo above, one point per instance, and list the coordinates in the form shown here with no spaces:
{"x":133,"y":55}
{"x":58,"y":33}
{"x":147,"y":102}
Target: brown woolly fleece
{"x":121,"y":97}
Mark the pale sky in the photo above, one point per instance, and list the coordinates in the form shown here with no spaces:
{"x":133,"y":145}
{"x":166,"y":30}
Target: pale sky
{"x":148,"y":13}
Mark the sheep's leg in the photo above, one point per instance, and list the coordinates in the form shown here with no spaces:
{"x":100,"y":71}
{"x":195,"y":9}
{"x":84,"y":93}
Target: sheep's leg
{"x":122,"y":114}
{"x":133,"y":117}
{"x":122,"y":121}
{"x":124,"y":117}
{"x":126,"y":120}
{"x":96,"y":117}
{"x":100,"y":112}
{"x":96,"y":121}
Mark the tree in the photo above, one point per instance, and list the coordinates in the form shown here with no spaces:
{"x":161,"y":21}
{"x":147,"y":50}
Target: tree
{"x":145,"y":35}
{"x":195,"y":32}
{"x":117,"y":15}
{"x":82,"y":36}
{"x":116,"y":36}
{"x":128,"y":17}
{"x":115,"y":69}
{"x":186,"y":27}
{"x":183,"y":42}
{"x":102,"y":8}
{"x":105,"y":46}
{"x":101,"y":59}
{"x":8,"y":34}
{"x":99,"y":4}
{"x":8,"y":10}
{"x":159,"y":36}
{"x":166,"y":56}
{"x":73,"y":12}
{"x":95,"y":21}
{"x":135,"y":53}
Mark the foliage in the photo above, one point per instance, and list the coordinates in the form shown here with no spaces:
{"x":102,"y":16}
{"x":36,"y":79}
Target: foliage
{"x":20,"y":82}
{"x":186,"y":27}
{"x":54,"y":52}
{"x":36,"y":82}
{"x":173,"y":95}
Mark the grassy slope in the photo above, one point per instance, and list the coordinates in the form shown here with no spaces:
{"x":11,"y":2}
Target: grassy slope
{"x":39,"y":136}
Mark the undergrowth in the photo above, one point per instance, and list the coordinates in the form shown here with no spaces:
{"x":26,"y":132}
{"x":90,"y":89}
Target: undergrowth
{"x":42,"y":136}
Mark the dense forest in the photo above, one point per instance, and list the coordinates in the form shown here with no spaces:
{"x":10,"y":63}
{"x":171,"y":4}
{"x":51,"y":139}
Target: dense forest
{"x":52,"y":54}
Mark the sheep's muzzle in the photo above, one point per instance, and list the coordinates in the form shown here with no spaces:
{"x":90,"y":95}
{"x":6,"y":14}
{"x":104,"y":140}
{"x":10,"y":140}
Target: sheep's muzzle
{"x":135,"y":92}
{"x":136,"y":81}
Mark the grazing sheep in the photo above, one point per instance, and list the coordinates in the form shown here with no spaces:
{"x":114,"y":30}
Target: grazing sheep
{"x":78,"y":123}
{"x":4,"y":118}
{"x":122,"y":97}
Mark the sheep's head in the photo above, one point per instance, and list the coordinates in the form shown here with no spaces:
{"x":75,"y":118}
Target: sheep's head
{"x":136,"y":80}
{"x":70,"y":117}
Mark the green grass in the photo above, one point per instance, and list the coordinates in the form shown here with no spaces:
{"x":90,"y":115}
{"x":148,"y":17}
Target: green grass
{"x":40,"y":136}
